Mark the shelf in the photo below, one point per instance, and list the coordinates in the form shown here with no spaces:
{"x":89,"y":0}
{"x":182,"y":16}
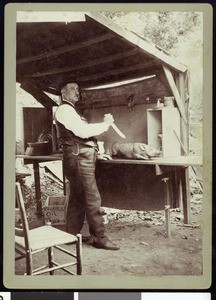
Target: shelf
{"x":163,"y":124}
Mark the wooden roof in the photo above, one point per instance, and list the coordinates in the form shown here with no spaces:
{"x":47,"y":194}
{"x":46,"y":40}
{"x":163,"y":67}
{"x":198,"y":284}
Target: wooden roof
{"x":91,"y":53}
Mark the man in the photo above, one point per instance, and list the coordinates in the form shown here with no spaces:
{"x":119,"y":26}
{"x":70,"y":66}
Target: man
{"x":79,"y":158}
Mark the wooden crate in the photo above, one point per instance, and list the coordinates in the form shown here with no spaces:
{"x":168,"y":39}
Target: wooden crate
{"x":55,"y":210}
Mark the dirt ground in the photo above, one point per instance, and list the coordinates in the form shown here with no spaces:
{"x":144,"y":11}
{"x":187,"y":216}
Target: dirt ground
{"x":144,"y":247}
{"x":145,"y":250}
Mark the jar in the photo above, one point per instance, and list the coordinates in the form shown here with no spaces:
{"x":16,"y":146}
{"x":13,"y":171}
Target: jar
{"x":169,"y":101}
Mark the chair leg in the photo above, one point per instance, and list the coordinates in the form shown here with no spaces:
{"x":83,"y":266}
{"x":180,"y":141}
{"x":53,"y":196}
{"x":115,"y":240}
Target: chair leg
{"x":50,"y":259}
{"x":29,"y":263}
{"x":79,"y":254}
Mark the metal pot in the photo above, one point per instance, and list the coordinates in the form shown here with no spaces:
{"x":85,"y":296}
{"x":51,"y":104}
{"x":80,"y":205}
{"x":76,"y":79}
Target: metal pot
{"x":39,"y":148}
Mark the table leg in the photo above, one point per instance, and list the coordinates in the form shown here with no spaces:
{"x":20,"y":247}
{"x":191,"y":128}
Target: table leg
{"x":179,"y":189}
{"x":174,"y":190}
{"x":186,"y":194}
{"x":37,"y":188}
{"x":64,"y":180}
{"x":167,"y":205}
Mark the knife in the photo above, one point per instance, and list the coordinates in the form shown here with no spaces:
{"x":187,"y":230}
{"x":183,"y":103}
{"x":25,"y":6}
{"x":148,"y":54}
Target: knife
{"x":117,"y":130}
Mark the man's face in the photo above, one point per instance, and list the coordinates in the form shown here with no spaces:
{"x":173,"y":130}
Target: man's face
{"x":72,"y":92}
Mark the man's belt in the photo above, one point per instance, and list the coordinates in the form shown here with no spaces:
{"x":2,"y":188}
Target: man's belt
{"x":77,"y":147}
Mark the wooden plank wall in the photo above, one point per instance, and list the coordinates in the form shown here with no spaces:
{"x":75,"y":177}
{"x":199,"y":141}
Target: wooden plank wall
{"x":133,"y":123}
{"x":127,"y":186}
{"x":130,"y":187}
{"x":128,"y":104}
{"x":35,"y":121}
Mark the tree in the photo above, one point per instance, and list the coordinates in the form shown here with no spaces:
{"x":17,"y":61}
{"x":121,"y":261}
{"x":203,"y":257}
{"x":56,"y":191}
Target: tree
{"x":164,"y":29}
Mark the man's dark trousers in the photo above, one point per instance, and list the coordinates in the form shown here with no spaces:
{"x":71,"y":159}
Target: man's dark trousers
{"x":85,"y":199}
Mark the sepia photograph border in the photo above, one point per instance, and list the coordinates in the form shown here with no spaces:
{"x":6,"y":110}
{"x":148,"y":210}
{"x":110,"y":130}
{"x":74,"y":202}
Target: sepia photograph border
{"x":99,"y":282}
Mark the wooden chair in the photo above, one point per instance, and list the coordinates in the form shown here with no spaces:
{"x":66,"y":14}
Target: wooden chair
{"x":29,"y":242}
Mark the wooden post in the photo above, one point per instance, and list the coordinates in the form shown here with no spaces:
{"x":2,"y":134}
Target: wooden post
{"x":186,"y":194}
{"x":37,"y":188}
{"x":179,"y":189}
{"x":180,"y":82}
{"x":167,"y":205}
{"x":79,"y":254}
{"x":175,"y":92}
{"x":174,"y":191}
{"x":184,"y":187}
{"x":64,"y":179}
{"x":67,"y":193}
{"x":50,"y":259}
{"x":54,"y":137}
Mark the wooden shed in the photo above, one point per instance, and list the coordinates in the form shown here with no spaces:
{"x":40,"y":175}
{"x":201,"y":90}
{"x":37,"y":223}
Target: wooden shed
{"x":96,"y":52}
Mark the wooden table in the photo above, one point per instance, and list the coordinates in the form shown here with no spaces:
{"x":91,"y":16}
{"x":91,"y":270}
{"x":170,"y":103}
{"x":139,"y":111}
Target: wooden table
{"x":163,"y":167}
{"x":175,"y":161}
{"x":36,"y":160}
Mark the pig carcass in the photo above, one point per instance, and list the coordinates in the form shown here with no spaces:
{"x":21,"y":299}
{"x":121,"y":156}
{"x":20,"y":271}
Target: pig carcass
{"x":134,"y":150}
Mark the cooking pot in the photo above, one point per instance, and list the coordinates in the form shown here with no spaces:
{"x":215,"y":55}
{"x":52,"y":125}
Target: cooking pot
{"x":39,"y":148}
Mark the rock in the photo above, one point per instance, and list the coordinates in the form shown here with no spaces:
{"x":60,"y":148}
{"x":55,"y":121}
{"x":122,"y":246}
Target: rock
{"x":179,"y":218}
{"x":148,"y":218}
{"x":158,"y":224}
{"x":144,"y":243}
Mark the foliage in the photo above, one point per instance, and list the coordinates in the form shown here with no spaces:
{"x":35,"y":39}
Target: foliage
{"x":164,"y":29}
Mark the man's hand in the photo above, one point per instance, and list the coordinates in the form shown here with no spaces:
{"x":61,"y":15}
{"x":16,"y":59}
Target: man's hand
{"x":104,"y":157}
{"x":108,"y":119}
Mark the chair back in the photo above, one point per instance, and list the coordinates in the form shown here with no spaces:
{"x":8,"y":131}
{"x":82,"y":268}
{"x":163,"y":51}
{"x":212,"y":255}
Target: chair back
{"x":21,"y":230}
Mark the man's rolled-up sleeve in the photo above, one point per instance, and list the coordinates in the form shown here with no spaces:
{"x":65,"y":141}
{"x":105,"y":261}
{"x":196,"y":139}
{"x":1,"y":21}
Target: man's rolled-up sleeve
{"x":67,"y":116}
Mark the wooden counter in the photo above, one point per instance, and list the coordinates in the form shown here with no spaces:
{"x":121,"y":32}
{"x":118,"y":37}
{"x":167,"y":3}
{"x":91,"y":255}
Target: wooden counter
{"x":168,"y":161}
{"x":36,"y":160}
{"x":41,"y":158}
{"x":111,"y":174}
{"x":175,"y":161}
{"x":131,"y":184}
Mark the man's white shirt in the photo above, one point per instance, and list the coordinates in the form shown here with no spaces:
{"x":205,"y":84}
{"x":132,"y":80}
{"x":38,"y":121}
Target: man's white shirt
{"x":67,"y":115}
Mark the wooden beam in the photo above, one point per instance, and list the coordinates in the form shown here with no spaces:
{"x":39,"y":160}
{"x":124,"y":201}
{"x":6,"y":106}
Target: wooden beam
{"x":37,"y":188}
{"x":175,"y":92}
{"x":150,"y":42}
{"x":182,"y":85}
{"x":30,"y":33}
{"x":186,"y":195}
{"x":138,"y":85}
{"x":145,"y":91}
{"x":163,"y":80}
{"x":144,"y":46}
{"x":183,"y":91}
{"x":122,"y":100}
{"x":117,"y":71}
{"x":50,"y":90}
{"x":66,"y":49}
{"x":38,"y":94}
{"x":115,"y":79}
{"x":92,"y":63}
